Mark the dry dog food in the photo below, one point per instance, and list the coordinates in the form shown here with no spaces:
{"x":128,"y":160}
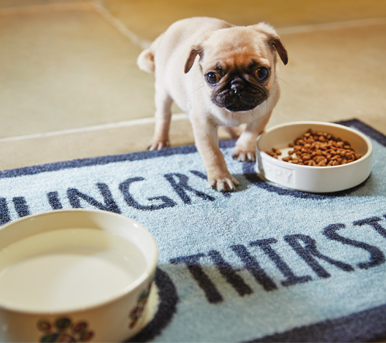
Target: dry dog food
{"x":318,"y":149}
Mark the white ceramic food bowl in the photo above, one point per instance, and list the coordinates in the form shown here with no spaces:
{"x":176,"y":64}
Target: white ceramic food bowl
{"x":74,"y":275}
{"x":307,"y":178}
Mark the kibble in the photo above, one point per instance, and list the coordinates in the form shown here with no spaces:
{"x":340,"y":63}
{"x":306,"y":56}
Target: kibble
{"x":318,"y":149}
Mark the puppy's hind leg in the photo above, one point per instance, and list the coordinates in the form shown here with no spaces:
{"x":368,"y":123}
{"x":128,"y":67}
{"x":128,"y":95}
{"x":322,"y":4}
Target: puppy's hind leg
{"x":163,"y":113}
{"x":234,"y":132}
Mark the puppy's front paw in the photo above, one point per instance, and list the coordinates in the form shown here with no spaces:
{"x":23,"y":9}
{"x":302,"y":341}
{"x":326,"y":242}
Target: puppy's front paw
{"x":158,"y":144}
{"x":244,"y":155}
{"x":223,"y":183}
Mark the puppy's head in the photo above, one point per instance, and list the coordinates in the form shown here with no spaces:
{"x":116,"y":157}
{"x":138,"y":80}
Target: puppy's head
{"x":239,"y":65}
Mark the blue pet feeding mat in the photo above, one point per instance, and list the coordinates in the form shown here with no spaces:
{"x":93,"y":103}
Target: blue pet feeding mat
{"x":261,"y":264}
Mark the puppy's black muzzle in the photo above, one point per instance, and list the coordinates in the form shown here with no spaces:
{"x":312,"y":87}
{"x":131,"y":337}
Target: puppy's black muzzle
{"x":237,"y":86}
{"x":239,"y":95}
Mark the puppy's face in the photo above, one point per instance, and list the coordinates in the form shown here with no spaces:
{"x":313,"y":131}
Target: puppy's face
{"x":238,"y":66}
{"x":238,"y":82}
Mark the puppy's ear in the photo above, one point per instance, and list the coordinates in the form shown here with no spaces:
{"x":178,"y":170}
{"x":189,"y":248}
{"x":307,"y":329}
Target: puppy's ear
{"x":196,"y":50}
{"x":278,"y":45}
{"x":274,"y":41}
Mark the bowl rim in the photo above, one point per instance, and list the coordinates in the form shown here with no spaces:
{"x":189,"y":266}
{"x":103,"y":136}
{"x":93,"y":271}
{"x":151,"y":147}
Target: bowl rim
{"x":280,"y":162}
{"x":131,"y":288}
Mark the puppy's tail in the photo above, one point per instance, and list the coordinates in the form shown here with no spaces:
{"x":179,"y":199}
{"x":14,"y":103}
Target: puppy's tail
{"x":145,"y":60}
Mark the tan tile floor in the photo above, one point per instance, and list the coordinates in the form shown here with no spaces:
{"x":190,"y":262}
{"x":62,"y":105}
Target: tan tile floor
{"x":8,"y":4}
{"x":68,"y":69}
{"x":334,"y":75}
{"x":67,"y":65}
{"x":151,"y":17}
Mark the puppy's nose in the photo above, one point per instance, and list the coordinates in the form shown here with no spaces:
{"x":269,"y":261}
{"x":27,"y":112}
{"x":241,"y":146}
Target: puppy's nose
{"x":237,"y":86}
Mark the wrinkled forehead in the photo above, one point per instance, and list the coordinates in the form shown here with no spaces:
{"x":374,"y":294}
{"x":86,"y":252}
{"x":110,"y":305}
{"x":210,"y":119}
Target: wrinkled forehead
{"x":230,"y":49}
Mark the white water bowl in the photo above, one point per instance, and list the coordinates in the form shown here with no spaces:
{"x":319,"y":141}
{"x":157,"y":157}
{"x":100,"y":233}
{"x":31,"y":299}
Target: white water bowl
{"x":311,"y":178}
{"x":74,"y":275}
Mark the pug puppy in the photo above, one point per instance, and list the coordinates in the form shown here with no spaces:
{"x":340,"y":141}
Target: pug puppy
{"x":221,"y":75}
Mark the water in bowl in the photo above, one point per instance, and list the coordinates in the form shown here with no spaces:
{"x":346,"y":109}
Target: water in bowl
{"x":67,"y":269}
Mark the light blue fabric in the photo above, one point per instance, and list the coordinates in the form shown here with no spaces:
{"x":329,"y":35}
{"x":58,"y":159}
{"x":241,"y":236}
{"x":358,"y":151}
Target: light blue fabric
{"x":249,"y":214}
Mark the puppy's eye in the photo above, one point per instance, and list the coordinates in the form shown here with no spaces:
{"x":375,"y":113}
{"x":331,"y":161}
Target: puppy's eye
{"x":212,"y":78}
{"x":262,"y":73}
